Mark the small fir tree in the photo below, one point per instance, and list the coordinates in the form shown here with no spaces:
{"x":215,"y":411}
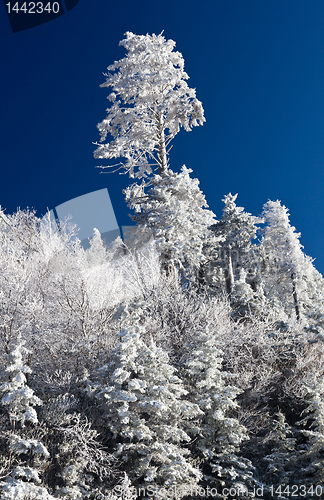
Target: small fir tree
{"x":311,"y":461}
{"x":219,"y":434}
{"x":146,"y":412}
{"x":246,"y":304}
{"x":96,"y":254}
{"x":19,"y":399}
{"x":28,"y":456}
{"x":279,"y":470}
{"x":122,"y":491}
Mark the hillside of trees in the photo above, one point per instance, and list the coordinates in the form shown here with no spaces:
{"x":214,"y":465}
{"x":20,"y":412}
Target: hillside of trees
{"x":187,"y":363}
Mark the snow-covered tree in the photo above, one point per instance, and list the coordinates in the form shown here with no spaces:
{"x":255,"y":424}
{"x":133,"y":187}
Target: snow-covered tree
{"x":151,"y":101}
{"x":219,"y":433}
{"x":246,"y":303}
{"x":174,"y":212}
{"x":288,"y":275}
{"x":311,"y":460}
{"x":146,"y":412}
{"x":18,"y":268}
{"x":234,"y":250}
{"x":84,"y":463}
{"x":96,"y":255}
{"x":27,"y":455}
{"x":279,"y":470}
{"x":18,"y":398}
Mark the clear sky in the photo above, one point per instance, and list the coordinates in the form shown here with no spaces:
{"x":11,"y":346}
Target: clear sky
{"x":257,"y":66}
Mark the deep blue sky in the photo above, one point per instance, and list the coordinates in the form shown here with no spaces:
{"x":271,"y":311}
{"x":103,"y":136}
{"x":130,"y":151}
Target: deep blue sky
{"x":257,"y":66}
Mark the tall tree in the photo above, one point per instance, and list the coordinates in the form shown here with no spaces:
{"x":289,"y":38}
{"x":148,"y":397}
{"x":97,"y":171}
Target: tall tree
{"x":288,"y":275}
{"x":151,"y":101}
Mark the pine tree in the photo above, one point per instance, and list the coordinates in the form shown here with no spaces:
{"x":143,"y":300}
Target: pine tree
{"x":27,"y":455}
{"x":18,"y":398}
{"x":151,"y":101}
{"x":219,"y":434}
{"x":173,"y":212}
{"x":96,"y":255}
{"x":288,"y":275}
{"x":146,"y":412}
{"x":246,"y":304}
{"x":311,"y":461}
{"x":234,"y":250}
{"x":279,"y":470}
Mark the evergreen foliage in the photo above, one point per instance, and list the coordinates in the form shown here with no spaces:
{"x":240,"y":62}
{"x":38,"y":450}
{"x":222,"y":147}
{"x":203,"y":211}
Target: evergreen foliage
{"x":145,"y":411}
{"x":219,"y":434}
{"x":311,"y":461}
{"x":26,"y":456}
{"x":174,"y":213}
{"x":234,"y":250}
{"x":166,"y":437}
{"x":279,"y":470}
{"x":18,"y":398}
{"x":288,"y":275}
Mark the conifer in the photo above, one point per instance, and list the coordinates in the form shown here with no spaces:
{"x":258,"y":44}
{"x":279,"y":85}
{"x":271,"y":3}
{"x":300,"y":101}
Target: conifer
{"x":288,"y":275}
{"x":311,"y":461}
{"x":27,"y":455}
{"x":174,"y":212}
{"x":234,"y":250}
{"x":219,"y":433}
{"x":279,"y":470}
{"x":146,"y":411}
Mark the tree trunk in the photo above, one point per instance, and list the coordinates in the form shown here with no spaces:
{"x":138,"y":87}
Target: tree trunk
{"x":295,"y":296}
{"x":229,"y":278}
{"x":162,"y":154}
